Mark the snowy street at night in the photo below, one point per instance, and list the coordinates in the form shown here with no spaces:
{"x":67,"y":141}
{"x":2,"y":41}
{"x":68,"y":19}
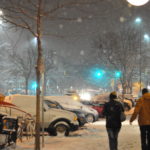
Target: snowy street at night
{"x":91,"y":137}
{"x":73,"y":73}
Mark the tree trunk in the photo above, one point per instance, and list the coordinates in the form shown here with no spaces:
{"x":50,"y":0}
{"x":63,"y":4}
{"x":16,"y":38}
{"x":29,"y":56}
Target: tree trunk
{"x":45,"y":87}
{"x":38,"y":75}
{"x":124,"y":88}
{"x":26,"y":85}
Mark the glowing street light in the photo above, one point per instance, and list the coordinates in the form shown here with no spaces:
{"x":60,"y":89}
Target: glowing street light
{"x":1,"y":22}
{"x":138,"y":20}
{"x":34,"y":41}
{"x":137,"y":2}
{"x":148,"y":87}
{"x":1,"y":12}
{"x":146,"y":37}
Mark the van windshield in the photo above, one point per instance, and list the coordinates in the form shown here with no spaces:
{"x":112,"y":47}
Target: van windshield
{"x":53,"y":104}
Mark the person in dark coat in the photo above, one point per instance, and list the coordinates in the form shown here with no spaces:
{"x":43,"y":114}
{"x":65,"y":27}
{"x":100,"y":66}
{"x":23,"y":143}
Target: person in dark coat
{"x":112,"y":112}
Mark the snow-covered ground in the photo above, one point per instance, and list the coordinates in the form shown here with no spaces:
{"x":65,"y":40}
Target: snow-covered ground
{"x":90,"y":137}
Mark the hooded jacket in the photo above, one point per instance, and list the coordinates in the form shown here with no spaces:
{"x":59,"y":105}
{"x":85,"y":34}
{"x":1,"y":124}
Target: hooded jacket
{"x":142,"y":110}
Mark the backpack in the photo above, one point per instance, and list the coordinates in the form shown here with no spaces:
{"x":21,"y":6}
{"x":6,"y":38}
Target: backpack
{"x":113,"y":114}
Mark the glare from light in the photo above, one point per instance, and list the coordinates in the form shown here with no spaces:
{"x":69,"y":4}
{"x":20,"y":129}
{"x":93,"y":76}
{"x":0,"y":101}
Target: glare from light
{"x":148,"y":87}
{"x":99,"y":73}
{"x":1,"y":22}
{"x":85,"y":96}
{"x":118,"y":74}
{"x":146,"y":37}
{"x":34,"y":85}
{"x":34,"y":41}
{"x":75,"y":98}
{"x":138,"y":20}
{"x":1,"y":12}
{"x":138,"y":2}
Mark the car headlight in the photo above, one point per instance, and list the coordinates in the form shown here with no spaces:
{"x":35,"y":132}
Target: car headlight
{"x":75,"y":98}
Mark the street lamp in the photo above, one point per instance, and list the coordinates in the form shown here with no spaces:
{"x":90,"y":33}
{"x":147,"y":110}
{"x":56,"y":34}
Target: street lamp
{"x":137,"y":2}
{"x":146,"y":37}
{"x":138,"y":20}
{"x":34,"y":41}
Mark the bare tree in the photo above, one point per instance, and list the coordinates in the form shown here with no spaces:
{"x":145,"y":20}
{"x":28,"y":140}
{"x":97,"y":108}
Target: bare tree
{"x":23,"y":64}
{"x":30,"y":15}
{"x":120,"y":51}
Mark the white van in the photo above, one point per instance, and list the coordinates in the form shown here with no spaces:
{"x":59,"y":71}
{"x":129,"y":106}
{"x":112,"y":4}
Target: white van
{"x":55,"y":120}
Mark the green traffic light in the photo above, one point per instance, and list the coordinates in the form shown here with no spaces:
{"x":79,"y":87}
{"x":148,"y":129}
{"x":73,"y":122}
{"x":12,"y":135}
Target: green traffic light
{"x":99,"y":73}
{"x":117,"y":74}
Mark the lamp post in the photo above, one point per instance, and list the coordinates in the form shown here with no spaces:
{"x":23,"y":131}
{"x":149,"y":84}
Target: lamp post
{"x":138,"y":22}
{"x":146,"y":38}
{"x":147,"y":71}
{"x":137,"y":2}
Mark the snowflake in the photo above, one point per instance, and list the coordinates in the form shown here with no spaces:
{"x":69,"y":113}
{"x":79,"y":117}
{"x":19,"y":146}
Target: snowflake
{"x":61,"y":26}
{"x":122,"y":19}
{"x":79,"y":19}
{"x":104,"y":32}
{"x":90,"y":16}
{"x":82,"y":52}
{"x":65,"y":13}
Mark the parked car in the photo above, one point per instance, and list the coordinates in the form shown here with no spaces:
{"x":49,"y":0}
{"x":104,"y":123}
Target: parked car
{"x":70,"y":104}
{"x":56,"y":121}
{"x":73,"y":94}
{"x":99,"y":108}
{"x":79,"y":113}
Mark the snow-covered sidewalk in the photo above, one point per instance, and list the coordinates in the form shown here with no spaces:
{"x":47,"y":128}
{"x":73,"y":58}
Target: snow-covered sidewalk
{"x":92,"y":137}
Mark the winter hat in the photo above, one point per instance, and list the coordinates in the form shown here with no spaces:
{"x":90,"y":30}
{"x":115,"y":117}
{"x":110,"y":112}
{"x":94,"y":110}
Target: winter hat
{"x":113,"y":95}
{"x":144,"y":90}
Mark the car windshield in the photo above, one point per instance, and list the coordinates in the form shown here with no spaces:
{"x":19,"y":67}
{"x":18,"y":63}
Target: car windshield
{"x":52,"y":104}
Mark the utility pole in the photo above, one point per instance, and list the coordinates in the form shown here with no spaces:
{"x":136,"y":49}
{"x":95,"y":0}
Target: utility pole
{"x":140,"y":61}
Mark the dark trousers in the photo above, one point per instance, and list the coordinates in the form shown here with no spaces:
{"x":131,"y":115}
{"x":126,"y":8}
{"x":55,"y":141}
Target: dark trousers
{"x":113,"y":138}
{"x":145,"y":137}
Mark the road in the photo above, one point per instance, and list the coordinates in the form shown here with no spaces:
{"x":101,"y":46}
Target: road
{"x":91,"y":137}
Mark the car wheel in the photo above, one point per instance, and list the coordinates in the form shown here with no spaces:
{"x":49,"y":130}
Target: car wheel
{"x":90,"y":118}
{"x":61,"y":130}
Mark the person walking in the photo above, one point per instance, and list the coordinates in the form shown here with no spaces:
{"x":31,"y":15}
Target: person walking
{"x":142,"y":110}
{"x":112,"y":111}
